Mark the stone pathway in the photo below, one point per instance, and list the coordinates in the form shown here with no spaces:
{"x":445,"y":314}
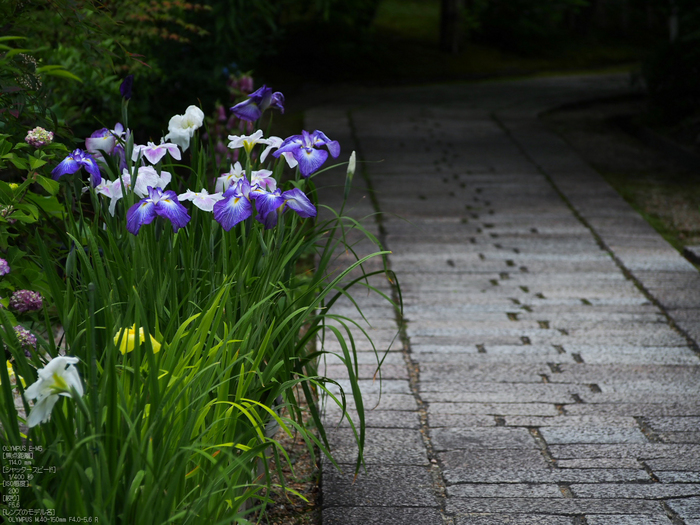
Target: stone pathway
{"x":548,"y":370}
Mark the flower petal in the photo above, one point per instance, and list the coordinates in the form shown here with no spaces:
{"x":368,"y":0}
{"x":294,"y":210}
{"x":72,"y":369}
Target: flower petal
{"x":233,"y":209}
{"x":153,"y":153}
{"x":247,"y":110}
{"x":41,"y":411}
{"x":66,"y":167}
{"x":172,"y":149}
{"x":101,"y":140}
{"x":91,"y":166}
{"x":310,"y":160}
{"x":170,"y":208}
{"x":143,"y":212}
{"x":296,"y":200}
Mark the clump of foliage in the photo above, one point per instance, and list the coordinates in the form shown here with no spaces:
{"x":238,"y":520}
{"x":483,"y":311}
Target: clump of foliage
{"x":672,"y":72}
{"x":186,"y":330}
{"x":523,"y":26}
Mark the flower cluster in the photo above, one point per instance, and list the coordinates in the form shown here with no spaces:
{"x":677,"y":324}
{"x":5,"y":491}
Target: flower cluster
{"x":39,"y":137}
{"x":25,"y":301}
{"x":27,"y":340}
{"x":238,"y":194}
{"x":240,"y":198}
{"x":4,"y":267}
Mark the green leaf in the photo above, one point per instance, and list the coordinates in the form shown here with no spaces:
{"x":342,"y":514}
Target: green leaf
{"x":14,"y":52}
{"x":35,"y":163}
{"x":51,"y":186}
{"x":59,"y":73}
{"x":20,"y":164}
{"x":23,"y":217}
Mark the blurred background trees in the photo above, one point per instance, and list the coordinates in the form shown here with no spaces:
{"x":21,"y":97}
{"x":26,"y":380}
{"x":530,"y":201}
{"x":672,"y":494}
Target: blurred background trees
{"x":182,"y":53}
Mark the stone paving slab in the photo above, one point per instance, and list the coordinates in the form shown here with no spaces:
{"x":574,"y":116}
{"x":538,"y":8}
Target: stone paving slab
{"x":552,"y":505}
{"x":660,"y":518}
{"x":380,"y":486}
{"x":548,"y":371}
{"x":382,"y":516}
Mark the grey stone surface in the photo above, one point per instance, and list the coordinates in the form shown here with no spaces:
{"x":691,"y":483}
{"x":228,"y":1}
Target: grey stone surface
{"x":485,"y":438}
{"x":512,"y":519}
{"x":381,"y":516}
{"x":551,"y":506}
{"x":540,"y":381}
{"x":660,"y":518}
{"x":480,"y":473}
{"x":635,"y":490}
{"x":504,"y":490}
{"x":383,"y":446}
{"x":556,"y":435}
{"x":379,"y":486}
{"x":688,"y":509}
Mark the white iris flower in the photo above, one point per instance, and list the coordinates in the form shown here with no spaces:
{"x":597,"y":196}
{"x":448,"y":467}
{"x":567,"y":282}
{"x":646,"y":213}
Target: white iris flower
{"x":57,"y":378}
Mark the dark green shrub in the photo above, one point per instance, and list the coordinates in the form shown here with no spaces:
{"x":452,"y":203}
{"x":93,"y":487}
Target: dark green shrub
{"x":524,"y":26}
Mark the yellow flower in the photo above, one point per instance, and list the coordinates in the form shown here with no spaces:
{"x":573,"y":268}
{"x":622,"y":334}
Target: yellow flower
{"x":128,"y":340}
{"x":13,"y":185}
{"x":11,"y":373}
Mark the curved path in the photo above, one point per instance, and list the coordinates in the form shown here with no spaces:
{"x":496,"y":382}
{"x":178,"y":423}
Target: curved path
{"x":548,"y":370}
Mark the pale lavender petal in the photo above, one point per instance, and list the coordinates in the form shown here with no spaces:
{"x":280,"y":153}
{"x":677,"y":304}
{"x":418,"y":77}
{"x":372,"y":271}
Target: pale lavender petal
{"x":272,"y":143}
{"x":101,"y":140}
{"x":146,"y":176}
{"x":187,"y":196}
{"x":172,"y":149}
{"x":154,"y":153}
{"x":263,"y":179}
{"x":291,"y":161}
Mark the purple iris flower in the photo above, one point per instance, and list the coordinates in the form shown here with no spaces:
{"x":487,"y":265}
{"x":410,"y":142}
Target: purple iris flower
{"x":258,"y":101}
{"x":126,"y":86}
{"x":269,"y":203}
{"x":296,"y":200}
{"x":304,"y":149}
{"x":158,"y":203}
{"x":235,"y":206}
{"x":76,"y":160}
